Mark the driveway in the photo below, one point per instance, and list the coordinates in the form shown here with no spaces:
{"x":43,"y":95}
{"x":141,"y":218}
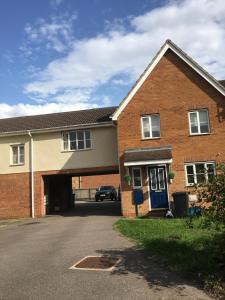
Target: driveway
{"x":35,"y":258}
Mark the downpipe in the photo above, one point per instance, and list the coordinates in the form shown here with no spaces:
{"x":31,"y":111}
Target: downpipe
{"x":32,"y":173}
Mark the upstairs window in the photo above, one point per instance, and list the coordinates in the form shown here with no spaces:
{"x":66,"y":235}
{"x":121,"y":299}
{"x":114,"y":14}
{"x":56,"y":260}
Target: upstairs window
{"x":17,"y":154}
{"x":199,"y":122}
{"x":77,"y":140}
{"x":197,"y":173}
{"x":150,"y":127}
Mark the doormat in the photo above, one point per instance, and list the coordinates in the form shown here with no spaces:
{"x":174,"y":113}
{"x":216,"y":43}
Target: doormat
{"x":97,"y":263}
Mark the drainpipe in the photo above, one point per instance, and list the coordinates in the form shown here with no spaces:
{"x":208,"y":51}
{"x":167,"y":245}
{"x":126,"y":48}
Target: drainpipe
{"x":32,"y":174}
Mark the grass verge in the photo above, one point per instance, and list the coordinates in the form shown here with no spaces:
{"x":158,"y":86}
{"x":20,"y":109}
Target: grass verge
{"x":181,"y":248}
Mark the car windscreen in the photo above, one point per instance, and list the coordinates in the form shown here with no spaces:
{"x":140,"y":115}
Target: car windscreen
{"x":105,"y":188}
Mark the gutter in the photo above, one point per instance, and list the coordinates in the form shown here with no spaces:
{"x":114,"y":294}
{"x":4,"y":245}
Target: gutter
{"x":56,"y":129}
{"x":32,"y":173}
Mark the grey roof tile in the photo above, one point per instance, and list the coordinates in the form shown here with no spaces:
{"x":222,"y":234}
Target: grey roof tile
{"x":72,"y":118}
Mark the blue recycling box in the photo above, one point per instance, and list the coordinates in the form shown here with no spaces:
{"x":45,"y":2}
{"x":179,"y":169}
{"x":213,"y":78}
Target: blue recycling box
{"x":138,"y":196}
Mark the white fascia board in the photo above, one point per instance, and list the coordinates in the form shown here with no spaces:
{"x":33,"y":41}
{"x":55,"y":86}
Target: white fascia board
{"x":149,"y":69}
{"x":148,"y":162}
{"x":139,"y":83}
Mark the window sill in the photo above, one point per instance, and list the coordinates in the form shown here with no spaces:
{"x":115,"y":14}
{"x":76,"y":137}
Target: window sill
{"x":16,"y":165}
{"x":147,"y":139}
{"x":200,"y":134}
{"x":77,"y":150}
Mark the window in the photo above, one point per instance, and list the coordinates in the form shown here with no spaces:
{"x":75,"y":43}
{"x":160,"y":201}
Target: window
{"x":150,"y":126}
{"x":17,"y":154}
{"x":77,"y":140}
{"x":198,"y":173}
{"x":137,"y":180}
{"x":199,"y":121}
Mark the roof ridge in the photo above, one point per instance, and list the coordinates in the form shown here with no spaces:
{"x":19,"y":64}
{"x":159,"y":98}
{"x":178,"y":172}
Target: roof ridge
{"x":60,"y":113}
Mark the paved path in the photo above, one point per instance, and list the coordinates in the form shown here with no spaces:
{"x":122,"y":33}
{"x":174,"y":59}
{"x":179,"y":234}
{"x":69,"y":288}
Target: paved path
{"x":35,"y":258}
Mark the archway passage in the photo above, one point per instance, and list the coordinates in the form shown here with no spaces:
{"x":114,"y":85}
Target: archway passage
{"x":75,"y":194}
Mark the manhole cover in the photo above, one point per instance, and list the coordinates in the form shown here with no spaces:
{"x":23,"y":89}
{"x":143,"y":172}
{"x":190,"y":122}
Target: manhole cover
{"x":99,"y":263}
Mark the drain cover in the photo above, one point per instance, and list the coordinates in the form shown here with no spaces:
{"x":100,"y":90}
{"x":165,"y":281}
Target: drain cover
{"x":98,"y":263}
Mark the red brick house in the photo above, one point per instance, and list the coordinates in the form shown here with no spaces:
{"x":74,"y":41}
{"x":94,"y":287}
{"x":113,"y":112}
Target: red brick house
{"x":172,"y":120}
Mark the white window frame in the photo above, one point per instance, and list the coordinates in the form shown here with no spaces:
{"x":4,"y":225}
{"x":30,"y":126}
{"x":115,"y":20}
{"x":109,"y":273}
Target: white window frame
{"x":134,"y":186}
{"x":194,"y":169}
{"x":18,"y":154}
{"x":150,"y":127}
{"x":198,"y":121}
{"x":69,"y":141}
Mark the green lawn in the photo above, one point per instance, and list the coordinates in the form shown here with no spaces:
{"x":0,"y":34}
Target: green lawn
{"x":173,"y":243}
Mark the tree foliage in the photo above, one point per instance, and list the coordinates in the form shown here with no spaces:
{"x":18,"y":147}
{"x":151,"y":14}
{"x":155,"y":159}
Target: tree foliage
{"x":213,"y":193}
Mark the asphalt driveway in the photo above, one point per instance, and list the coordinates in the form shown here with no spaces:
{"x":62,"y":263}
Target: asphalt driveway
{"x":35,"y":258}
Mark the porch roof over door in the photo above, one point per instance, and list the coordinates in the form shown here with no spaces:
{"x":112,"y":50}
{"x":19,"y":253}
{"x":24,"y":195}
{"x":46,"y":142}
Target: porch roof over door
{"x":148,"y":156}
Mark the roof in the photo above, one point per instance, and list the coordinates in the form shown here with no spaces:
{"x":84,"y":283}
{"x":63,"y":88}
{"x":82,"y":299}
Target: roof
{"x":222,"y":82}
{"x":140,"y":155}
{"x":179,"y":52}
{"x":87,"y":117}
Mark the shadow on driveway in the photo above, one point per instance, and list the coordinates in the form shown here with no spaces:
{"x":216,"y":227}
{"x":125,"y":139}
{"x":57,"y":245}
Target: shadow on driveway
{"x":92,"y":208}
{"x":135,"y":261}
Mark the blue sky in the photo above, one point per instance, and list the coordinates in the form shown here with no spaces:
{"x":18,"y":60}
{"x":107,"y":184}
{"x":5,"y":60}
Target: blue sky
{"x":59,"y":55}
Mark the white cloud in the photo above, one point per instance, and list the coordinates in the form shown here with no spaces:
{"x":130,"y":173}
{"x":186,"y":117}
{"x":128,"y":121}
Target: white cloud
{"x":55,"y":3}
{"x":22,"y":109}
{"x":121,"y":53}
{"x":197,"y":26}
{"x":56,"y":34}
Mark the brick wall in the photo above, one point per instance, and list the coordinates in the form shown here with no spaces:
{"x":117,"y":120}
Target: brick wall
{"x":95,"y":181}
{"x":171,"y":90}
{"x":14,"y":195}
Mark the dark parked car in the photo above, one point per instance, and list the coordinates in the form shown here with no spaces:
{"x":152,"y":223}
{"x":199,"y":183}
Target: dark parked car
{"x":106,"y":192}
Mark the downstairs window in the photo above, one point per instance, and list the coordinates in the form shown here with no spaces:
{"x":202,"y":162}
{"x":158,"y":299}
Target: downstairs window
{"x":197,"y":173}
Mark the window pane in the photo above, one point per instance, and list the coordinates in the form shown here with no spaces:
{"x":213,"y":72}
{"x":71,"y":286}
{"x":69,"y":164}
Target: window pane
{"x":65,"y":140}
{"x":200,"y":178}
{"x":204,"y":122}
{"x":194,"y":122}
{"x":65,"y":136}
{"x":15,"y":154}
{"x":190,"y":179}
{"x":200,"y":168}
{"x":137,"y":178}
{"x":65,"y":145}
{"x":80,"y":135}
{"x":161,"y":179}
{"x":80,"y":144}
{"x":210,"y":177}
{"x":72,"y":136}
{"x":137,"y":172}
{"x":21,"y":150}
{"x":137,"y":181}
{"x":73,"y":145}
{"x":146,"y":127}
{"x":21,"y":154}
{"x":153,"y":179}
{"x":88,"y":143}
{"x":87,"y":135}
{"x":155,"y":126}
{"x":22,"y":159}
{"x":190,"y":169}
{"x":210,"y":168}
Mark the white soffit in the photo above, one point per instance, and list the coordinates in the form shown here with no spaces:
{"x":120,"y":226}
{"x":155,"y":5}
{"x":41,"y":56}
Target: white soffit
{"x":168,"y":45}
{"x":148,"y":162}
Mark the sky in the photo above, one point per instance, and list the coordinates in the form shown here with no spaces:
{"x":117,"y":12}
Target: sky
{"x":62,"y":55}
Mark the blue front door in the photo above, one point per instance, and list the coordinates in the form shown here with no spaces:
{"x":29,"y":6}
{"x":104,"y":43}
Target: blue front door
{"x":158,"y":187}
